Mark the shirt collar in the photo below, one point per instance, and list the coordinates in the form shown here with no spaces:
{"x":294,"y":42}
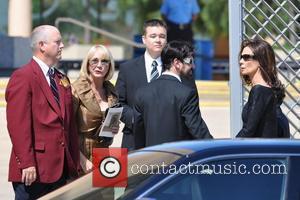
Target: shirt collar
{"x":172,"y":74}
{"x":148,"y":65}
{"x":149,"y":59}
{"x":43,"y":66}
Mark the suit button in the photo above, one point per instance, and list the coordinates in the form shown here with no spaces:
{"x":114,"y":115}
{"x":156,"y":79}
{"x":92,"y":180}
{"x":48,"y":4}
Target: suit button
{"x":62,"y":144}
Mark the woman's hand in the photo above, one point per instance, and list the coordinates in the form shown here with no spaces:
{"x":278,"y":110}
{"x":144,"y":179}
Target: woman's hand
{"x":88,"y":166}
{"x":85,"y":163}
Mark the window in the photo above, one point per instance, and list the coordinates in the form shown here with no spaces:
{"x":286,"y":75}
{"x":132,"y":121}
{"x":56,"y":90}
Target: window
{"x":235,"y":179}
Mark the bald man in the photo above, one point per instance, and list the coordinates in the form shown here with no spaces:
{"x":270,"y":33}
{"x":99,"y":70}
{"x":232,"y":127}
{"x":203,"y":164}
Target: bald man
{"x":44,"y":140}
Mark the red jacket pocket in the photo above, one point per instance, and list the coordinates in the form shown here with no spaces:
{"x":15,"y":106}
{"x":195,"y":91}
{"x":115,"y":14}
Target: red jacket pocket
{"x":39,"y":146}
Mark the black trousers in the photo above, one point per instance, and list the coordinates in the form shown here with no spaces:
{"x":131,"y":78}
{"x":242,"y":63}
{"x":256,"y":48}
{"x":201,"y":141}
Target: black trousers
{"x":181,"y":32}
{"x":128,"y":140}
{"x":36,"y":190}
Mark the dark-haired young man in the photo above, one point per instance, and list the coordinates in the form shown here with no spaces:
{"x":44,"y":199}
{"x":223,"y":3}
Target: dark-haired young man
{"x":139,"y":72}
{"x":167,"y":110}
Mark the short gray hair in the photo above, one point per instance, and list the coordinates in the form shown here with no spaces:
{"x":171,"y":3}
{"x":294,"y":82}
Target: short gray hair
{"x":39,"y":34}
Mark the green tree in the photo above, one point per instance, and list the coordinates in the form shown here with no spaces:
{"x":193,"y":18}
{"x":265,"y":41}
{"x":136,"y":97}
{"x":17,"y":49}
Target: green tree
{"x":143,"y":10}
{"x":213,"y":18}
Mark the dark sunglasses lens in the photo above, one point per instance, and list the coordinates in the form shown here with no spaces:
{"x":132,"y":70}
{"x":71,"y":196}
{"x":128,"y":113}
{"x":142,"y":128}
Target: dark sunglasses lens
{"x":247,"y":57}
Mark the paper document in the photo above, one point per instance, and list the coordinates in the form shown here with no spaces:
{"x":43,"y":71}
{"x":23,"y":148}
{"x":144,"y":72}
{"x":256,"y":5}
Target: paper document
{"x":112,"y":119}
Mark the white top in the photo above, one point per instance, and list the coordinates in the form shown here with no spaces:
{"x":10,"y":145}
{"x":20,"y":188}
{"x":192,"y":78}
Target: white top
{"x":44,"y":67}
{"x":148,"y":64}
{"x":172,"y":74}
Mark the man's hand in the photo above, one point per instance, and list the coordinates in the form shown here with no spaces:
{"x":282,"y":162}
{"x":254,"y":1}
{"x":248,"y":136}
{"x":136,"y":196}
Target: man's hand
{"x":28,"y":175}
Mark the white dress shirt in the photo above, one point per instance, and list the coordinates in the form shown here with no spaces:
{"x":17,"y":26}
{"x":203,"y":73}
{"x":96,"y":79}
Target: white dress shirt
{"x":44,"y":67}
{"x":172,"y":74}
{"x":148,"y":64}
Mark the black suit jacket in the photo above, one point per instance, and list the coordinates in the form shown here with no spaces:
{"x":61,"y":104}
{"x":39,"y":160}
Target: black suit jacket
{"x":132,"y":76}
{"x":167,"y":110}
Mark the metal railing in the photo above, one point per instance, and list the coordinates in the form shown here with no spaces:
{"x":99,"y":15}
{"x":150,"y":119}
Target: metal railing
{"x":98,"y":30}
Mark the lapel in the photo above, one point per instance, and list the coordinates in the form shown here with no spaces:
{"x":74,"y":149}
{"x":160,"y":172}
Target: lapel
{"x":86,"y":95}
{"x":43,"y":84}
{"x":140,"y":69}
{"x":62,"y":92}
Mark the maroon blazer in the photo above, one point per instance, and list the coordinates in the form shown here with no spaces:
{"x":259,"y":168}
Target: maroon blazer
{"x":43,"y":134}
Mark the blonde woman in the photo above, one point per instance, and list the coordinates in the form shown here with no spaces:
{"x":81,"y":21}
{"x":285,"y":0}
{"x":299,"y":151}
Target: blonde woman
{"x":92,"y":95}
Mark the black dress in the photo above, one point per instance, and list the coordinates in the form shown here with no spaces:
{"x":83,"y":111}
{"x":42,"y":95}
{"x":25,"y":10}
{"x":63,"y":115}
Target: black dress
{"x":259,"y":114}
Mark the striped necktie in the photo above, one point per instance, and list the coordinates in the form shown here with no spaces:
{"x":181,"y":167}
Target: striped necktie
{"x":154,"y":72}
{"x":51,"y":73}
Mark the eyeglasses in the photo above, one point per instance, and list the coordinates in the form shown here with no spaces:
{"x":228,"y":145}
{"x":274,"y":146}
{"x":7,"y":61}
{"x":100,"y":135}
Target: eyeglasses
{"x":189,"y":60}
{"x":247,"y":57}
{"x":96,"y":61}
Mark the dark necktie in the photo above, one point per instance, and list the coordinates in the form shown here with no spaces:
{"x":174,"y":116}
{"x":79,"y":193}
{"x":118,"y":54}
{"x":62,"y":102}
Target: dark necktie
{"x":53,"y":86}
{"x":154,"y":72}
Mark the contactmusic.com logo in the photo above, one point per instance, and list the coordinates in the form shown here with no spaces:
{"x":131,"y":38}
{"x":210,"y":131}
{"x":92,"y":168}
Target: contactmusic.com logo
{"x":110,"y":167}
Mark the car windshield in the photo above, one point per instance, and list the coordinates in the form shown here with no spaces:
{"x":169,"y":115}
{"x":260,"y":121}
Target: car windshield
{"x":142,"y":165}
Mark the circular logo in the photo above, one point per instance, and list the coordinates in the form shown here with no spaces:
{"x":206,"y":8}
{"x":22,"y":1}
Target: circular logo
{"x":110,"y":167}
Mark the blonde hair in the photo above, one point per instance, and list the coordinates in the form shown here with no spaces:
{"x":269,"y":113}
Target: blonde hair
{"x":103,"y":51}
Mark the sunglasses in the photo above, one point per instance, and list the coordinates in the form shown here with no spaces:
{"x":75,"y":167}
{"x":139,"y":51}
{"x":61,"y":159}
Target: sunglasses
{"x":96,"y":62}
{"x":247,"y":57}
{"x":189,"y":60}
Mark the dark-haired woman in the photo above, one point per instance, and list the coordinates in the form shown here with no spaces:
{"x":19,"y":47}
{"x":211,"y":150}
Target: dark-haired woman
{"x":258,"y":69}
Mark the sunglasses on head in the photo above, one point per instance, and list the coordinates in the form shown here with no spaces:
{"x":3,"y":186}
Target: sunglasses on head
{"x":247,"y":57}
{"x":189,"y":60}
